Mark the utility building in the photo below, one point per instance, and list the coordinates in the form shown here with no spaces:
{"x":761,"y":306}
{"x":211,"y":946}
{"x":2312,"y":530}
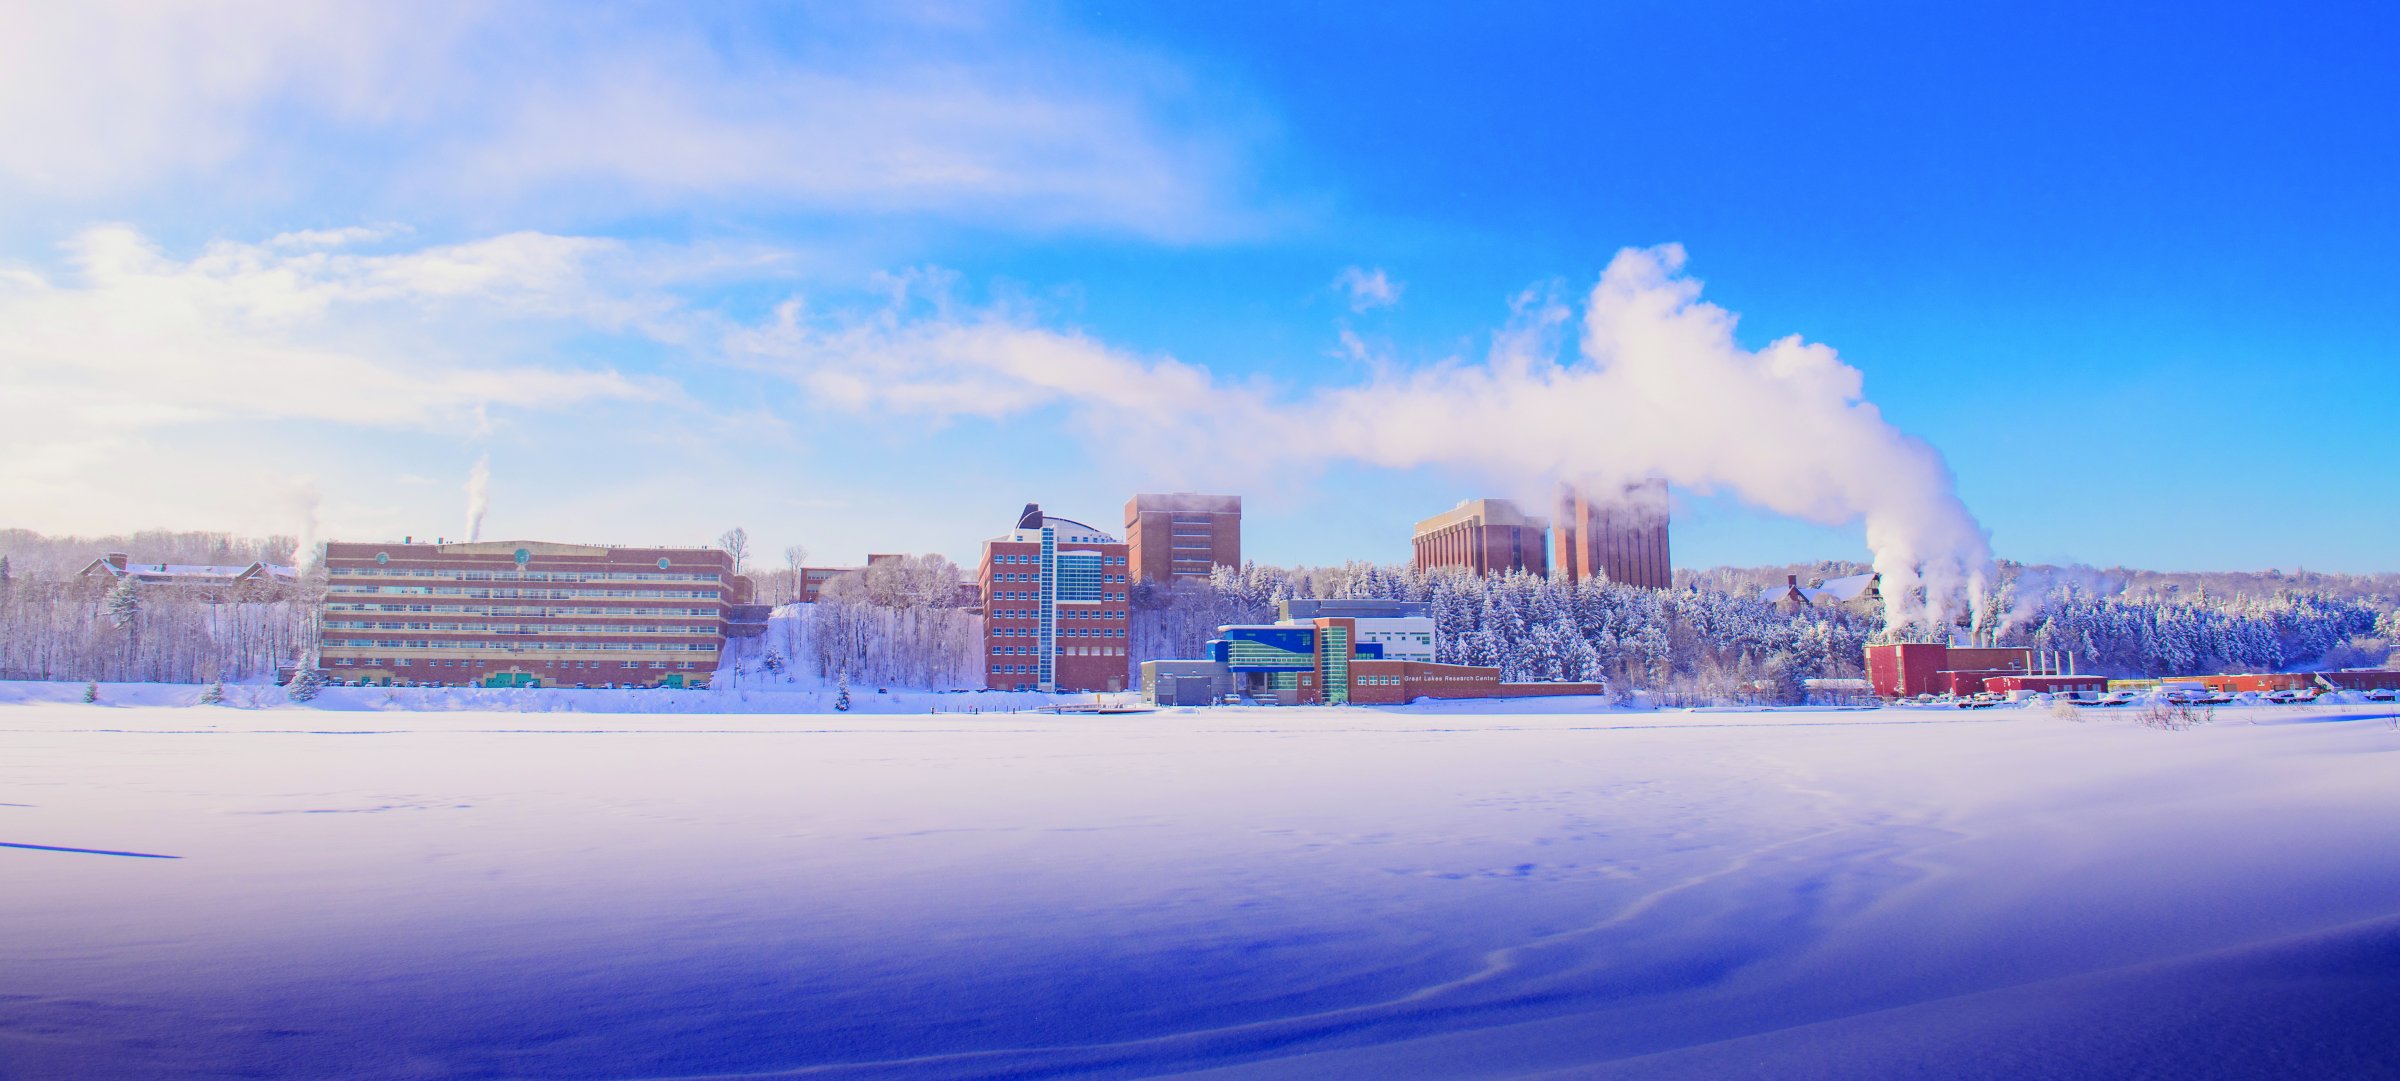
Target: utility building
{"x":1486,"y":536}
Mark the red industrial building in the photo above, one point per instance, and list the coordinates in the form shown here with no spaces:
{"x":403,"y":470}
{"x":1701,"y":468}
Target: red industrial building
{"x":1487,"y":536}
{"x":2050,"y":684}
{"x":2361,"y":679}
{"x":1908,"y":669}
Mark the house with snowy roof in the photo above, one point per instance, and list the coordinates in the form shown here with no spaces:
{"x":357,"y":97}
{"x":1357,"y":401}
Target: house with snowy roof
{"x":1858,"y":591}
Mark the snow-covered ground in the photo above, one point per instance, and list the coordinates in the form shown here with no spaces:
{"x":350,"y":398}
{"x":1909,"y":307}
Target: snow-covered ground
{"x":374,"y":889}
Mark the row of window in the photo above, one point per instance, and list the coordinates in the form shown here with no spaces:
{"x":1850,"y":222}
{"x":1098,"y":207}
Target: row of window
{"x":523,"y":645}
{"x":524,"y":576}
{"x":528,"y":594}
{"x":1059,"y":651}
{"x":1033,"y":595}
{"x":520,"y":611}
{"x":1028,"y":557}
{"x":1063,"y":632}
{"x":404,"y":662}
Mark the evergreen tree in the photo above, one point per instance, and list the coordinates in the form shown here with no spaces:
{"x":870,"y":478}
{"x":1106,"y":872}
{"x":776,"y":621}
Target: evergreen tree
{"x":214,"y":695}
{"x":304,"y":684}
{"x":91,"y":691}
{"x":841,"y":693}
{"x":124,"y":603}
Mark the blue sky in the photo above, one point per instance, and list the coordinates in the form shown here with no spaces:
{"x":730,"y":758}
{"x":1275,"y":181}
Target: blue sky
{"x":868,"y":282}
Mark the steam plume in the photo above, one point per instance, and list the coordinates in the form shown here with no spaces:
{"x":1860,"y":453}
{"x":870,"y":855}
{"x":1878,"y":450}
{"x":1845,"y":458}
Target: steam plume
{"x":1656,"y":385}
{"x":1662,"y":388}
{"x":304,"y":546}
{"x":479,"y":496}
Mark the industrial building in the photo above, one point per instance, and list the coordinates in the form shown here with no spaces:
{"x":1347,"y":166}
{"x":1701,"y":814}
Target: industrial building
{"x":1619,"y":533}
{"x":1909,"y":669}
{"x":530,"y":613}
{"x":1486,"y":536}
{"x":1054,"y":602}
{"x":1182,"y":535}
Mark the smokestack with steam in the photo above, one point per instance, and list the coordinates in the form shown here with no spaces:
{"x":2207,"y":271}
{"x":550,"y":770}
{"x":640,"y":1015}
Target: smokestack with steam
{"x":479,"y":496}
{"x":304,"y":547}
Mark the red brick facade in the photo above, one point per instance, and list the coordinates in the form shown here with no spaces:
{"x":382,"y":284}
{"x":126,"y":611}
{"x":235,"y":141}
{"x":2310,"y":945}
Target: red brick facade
{"x":1486,"y":536}
{"x":1623,"y":537}
{"x":1395,"y":682}
{"x":1087,"y":646}
{"x":526,"y":612}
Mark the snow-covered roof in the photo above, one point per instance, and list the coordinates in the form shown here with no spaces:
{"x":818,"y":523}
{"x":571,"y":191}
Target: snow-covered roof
{"x":1845,"y":589}
{"x":1065,"y":530}
{"x":1835,"y":590}
{"x":190,"y":573}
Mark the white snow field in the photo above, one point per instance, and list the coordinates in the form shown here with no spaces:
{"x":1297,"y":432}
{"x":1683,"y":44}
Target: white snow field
{"x":213,"y":892}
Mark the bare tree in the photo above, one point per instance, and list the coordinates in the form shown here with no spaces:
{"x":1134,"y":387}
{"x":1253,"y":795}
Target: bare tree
{"x":736,"y":543}
{"x":795,"y":559}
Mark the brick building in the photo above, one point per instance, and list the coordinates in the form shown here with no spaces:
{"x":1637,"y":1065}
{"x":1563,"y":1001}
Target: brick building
{"x":1182,"y":535}
{"x":1054,"y":603}
{"x":530,"y":613}
{"x":1909,"y":669}
{"x":1621,"y":534}
{"x":1485,"y":536}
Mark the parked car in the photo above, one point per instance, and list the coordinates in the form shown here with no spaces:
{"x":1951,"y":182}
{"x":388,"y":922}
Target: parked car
{"x":2382,"y":694}
{"x":2285,"y":698}
{"x":2118,"y":698}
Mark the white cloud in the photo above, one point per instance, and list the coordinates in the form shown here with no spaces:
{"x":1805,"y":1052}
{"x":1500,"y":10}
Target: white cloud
{"x":1366,"y":289}
{"x":973,"y":114}
{"x":131,"y":347}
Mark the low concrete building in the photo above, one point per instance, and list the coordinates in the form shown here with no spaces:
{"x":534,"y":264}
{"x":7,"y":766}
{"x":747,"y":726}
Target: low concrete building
{"x":1185,"y":683}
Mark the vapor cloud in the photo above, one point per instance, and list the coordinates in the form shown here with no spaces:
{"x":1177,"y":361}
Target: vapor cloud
{"x":1366,"y":289}
{"x":1654,"y":384}
{"x":479,"y":496}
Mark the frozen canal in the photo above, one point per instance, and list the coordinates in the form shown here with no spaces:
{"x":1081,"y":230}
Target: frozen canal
{"x":1297,"y":893}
